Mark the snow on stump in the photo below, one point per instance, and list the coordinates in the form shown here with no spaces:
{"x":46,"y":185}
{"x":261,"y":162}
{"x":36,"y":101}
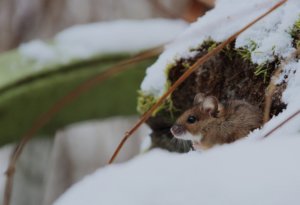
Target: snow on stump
{"x":243,"y":70}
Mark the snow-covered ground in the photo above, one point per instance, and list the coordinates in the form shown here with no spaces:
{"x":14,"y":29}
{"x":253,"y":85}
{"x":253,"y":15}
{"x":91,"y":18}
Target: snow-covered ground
{"x":86,"y":41}
{"x":250,"y":171}
{"x":82,"y":148}
{"x":265,"y":172}
{"x":46,"y":168}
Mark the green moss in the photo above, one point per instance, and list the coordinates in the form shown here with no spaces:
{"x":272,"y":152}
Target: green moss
{"x":229,"y":51}
{"x":213,"y":45}
{"x":207,"y":45}
{"x":244,"y":53}
{"x":295,"y":33}
{"x":252,"y":45}
{"x":262,"y":70}
{"x":186,"y":64}
{"x":297,"y":44}
{"x":146,"y":101}
{"x":296,"y":28}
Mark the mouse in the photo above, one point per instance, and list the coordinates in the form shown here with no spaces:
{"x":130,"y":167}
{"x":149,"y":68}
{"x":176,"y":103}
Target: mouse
{"x":208,"y":122}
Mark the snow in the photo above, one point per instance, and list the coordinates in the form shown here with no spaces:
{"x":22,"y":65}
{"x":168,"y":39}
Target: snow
{"x":38,"y":50}
{"x":86,"y":41}
{"x":270,"y":34}
{"x":4,"y":158}
{"x":254,"y":170}
{"x":246,"y":172}
{"x":290,"y":97}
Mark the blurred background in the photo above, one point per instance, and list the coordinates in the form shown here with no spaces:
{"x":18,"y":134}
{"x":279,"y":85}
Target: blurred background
{"x":48,"y":166}
{"x":24,"y":20}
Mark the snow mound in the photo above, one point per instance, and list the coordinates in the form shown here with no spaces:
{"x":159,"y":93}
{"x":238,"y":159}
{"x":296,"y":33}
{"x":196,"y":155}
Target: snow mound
{"x":85,"y":41}
{"x":247,"y":172}
{"x":271,"y":36}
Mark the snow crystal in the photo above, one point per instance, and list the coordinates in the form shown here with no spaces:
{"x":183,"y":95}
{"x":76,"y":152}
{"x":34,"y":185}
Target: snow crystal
{"x":271,"y":35}
{"x":85,"y":41}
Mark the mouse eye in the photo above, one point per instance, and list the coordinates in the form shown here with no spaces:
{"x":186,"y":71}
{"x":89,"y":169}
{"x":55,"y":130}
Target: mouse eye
{"x":191,"y":119}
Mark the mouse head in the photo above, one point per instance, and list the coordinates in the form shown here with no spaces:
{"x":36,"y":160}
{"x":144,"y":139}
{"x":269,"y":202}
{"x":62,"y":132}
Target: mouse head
{"x":192,"y":124}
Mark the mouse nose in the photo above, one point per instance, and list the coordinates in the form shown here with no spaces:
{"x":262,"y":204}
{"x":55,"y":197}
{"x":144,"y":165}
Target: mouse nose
{"x":177,"y":130}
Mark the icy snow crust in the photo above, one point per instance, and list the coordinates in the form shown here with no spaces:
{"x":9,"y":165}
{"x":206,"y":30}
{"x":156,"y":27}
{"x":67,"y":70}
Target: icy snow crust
{"x":271,"y":36}
{"x":86,"y":41}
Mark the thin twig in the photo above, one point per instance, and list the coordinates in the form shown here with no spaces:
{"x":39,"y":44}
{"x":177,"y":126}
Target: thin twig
{"x":184,"y":76}
{"x":282,"y":123}
{"x":44,"y":118}
{"x":272,"y":86}
{"x":269,"y":94}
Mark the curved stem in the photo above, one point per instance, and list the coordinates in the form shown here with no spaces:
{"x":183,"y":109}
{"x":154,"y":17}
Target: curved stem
{"x":44,"y":118}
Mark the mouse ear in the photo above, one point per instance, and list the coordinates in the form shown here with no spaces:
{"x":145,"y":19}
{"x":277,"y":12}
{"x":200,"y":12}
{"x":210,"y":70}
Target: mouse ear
{"x":210,"y":105}
{"x":199,"y":98}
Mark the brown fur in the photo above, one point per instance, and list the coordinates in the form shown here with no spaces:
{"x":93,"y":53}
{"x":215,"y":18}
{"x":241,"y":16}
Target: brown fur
{"x":230,"y":122}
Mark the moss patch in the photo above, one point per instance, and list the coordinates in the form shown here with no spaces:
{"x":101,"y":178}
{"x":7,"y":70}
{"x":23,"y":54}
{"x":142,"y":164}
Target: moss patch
{"x":295,"y":33}
{"x":145,"y":102}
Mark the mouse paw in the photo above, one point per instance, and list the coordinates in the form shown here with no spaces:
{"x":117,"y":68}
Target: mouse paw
{"x":198,"y":146}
